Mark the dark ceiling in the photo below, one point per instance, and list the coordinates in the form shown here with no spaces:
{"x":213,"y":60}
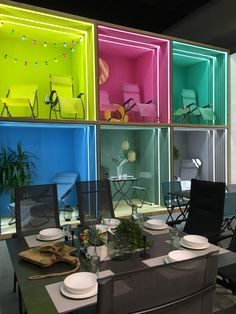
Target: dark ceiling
{"x":209,"y":21}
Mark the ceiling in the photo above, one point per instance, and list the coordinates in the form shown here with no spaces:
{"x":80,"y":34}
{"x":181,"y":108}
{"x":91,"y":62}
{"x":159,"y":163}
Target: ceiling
{"x":208,"y":21}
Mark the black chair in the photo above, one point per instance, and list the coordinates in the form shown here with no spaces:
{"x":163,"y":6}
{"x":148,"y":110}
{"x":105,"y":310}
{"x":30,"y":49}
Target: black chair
{"x":229,"y":211}
{"x":183,"y":287}
{"x":206,"y":209}
{"x":36,"y":208}
{"x":172,"y":201}
{"x":94,"y":201}
{"x":227,"y":274}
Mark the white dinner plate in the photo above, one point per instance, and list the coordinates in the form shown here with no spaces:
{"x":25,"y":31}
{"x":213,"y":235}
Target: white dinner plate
{"x":203,"y":247}
{"x":163,"y":227}
{"x":180,"y":255}
{"x":50,"y":233}
{"x":50,"y":239}
{"x":67,"y":294}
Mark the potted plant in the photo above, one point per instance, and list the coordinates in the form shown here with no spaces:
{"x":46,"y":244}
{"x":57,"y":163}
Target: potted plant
{"x":94,"y":240}
{"x":130,"y":237}
{"x":16,"y":169}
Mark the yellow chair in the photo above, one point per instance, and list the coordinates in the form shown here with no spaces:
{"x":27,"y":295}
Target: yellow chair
{"x":21,"y":96}
{"x":62,"y":98}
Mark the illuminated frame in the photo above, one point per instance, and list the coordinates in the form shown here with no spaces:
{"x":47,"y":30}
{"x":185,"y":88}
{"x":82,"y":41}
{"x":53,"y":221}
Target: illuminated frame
{"x":145,"y":46}
{"x":44,"y":26}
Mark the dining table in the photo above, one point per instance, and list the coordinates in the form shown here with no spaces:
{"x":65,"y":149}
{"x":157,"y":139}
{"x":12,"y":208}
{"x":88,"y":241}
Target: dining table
{"x":43,"y":295}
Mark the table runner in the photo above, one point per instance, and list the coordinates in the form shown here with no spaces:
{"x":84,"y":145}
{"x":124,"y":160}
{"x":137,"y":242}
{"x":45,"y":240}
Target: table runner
{"x":63,"y":304}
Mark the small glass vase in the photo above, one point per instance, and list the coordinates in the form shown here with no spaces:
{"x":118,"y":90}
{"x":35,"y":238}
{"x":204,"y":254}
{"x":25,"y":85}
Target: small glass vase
{"x":119,"y":172}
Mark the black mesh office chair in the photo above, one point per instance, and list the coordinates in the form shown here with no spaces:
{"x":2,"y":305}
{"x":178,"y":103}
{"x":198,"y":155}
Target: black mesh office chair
{"x":227,"y":274}
{"x":183,"y":287}
{"x":36,"y":208}
{"x":94,"y":201}
{"x":206,"y":209}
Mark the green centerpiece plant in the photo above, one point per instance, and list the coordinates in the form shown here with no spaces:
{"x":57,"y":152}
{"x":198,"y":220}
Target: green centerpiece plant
{"x":131,"y":234}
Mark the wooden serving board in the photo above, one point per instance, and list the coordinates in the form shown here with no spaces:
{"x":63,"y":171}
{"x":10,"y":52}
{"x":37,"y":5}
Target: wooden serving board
{"x":47,"y":254}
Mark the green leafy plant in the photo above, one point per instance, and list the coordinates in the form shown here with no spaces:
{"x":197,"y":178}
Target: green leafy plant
{"x":16,"y":168}
{"x":132,"y":234}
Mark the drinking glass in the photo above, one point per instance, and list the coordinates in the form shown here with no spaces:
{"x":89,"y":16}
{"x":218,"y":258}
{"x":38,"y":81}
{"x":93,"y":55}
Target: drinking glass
{"x":94,"y":264}
{"x":174,"y":238}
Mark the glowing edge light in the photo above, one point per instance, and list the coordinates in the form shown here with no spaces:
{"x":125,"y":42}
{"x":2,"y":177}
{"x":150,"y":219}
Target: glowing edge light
{"x":45,"y":14}
{"x":134,"y":34}
{"x":42,"y":28}
{"x":127,"y":40}
{"x":125,"y":44}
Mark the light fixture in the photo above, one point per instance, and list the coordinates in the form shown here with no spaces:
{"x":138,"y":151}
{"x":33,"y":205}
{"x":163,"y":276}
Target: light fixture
{"x":125,"y":144}
{"x":131,"y":156}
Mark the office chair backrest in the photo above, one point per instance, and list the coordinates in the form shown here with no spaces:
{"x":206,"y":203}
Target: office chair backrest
{"x":28,"y":91}
{"x":36,"y":208}
{"x":183,"y":287}
{"x":62,"y":84}
{"x":94,"y":201}
{"x":131,"y":91}
{"x":206,"y":208}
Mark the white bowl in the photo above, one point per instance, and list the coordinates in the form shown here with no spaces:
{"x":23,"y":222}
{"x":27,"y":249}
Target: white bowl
{"x":180,"y":255}
{"x":111,"y":222}
{"x":50,"y":233}
{"x":80,"y":283}
{"x":156,"y":223}
{"x":194,"y":240}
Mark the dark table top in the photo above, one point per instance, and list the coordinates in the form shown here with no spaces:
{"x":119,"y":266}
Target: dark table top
{"x":34,"y":293}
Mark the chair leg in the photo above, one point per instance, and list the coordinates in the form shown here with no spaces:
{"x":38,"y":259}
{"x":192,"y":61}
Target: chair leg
{"x":20,"y":301}
{"x":14,"y":282}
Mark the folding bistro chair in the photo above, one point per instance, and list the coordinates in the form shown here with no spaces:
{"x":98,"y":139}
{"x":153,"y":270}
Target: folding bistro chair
{"x":62,"y":100}
{"x":142,"y":188}
{"x":172,"y":200}
{"x":22,"y":96}
{"x":135,"y":107}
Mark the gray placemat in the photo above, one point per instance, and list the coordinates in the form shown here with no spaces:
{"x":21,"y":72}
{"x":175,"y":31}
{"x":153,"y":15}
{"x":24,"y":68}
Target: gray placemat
{"x":32,"y":241}
{"x":161,"y":259}
{"x":155,"y":261}
{"x":65,"y":305}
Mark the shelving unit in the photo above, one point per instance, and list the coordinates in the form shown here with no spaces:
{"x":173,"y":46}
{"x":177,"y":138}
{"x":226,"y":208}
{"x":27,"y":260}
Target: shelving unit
{"x":35,"y":43}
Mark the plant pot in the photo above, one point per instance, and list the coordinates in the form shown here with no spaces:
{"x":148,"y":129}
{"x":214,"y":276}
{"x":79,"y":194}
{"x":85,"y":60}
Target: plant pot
{"x":100,"y":251}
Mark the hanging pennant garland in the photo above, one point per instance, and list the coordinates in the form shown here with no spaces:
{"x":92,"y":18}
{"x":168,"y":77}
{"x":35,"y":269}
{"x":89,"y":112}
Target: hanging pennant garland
{"x":36,"y":63}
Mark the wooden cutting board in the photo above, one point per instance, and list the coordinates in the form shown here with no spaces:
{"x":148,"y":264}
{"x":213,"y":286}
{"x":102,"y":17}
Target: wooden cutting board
{"x":47,"y":254}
